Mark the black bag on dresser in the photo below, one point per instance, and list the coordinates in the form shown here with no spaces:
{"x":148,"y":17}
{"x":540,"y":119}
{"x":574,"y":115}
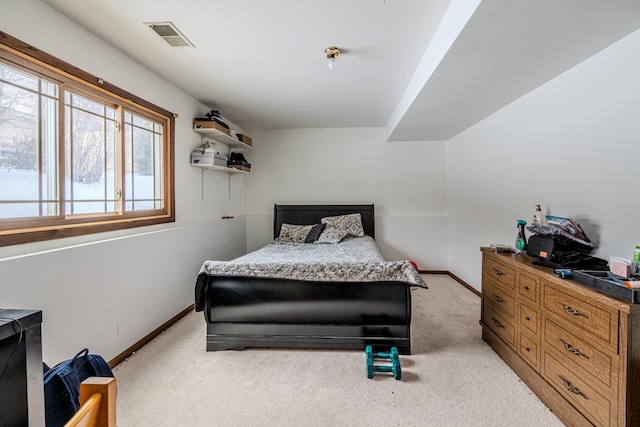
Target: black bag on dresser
{"x":551,"y":253}
{"x":62,"y":385}
{"x":541,"y":247}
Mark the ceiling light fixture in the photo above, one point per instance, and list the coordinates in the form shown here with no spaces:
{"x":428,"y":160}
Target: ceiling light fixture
{"x":332,"y":54}
{"x":170,"y":33}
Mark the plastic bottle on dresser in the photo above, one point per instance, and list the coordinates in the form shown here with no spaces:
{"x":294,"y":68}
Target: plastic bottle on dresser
{"x":538,"y":217}
{"x":636,"y":260}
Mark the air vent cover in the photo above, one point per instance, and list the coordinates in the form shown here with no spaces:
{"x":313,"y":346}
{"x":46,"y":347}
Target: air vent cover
{"x":169,"y":33}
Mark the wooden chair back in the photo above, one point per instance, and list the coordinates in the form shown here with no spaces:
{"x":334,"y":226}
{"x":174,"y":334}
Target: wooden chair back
{"x":97,"y":403}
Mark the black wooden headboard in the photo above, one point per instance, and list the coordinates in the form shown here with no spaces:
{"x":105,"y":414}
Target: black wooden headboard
{"x":312,"y":214}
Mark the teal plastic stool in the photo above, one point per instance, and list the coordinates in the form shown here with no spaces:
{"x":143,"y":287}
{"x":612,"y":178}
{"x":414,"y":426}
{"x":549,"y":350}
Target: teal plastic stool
{"x":391,"y":356}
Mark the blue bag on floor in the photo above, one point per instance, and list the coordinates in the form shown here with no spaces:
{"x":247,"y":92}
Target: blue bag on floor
{"x":62,"y":385}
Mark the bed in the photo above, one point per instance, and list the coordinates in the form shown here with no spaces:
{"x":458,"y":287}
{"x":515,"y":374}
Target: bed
{"x":307,"y":304}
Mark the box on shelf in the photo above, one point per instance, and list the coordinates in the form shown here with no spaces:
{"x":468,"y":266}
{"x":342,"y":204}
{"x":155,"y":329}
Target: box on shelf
{"x":237,"y":162}
{"x":245,"y":139}
{"x":241,"y":167}
{"x":213,"y":119}
{"x":208,"y":158}
{"x":220,"y":160}
{"x":210,"y":124}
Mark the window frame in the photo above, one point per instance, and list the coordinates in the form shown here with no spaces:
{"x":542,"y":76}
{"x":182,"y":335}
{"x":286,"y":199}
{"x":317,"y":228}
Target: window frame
{"x":28,"y":230}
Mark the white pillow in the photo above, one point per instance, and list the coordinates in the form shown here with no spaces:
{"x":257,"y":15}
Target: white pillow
{"x":331,"y":235}
{"x":291,"y":233}
{"x":350,"y":224}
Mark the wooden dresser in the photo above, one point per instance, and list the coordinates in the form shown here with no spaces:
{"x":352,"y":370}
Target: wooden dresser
{"x":576,"y":348}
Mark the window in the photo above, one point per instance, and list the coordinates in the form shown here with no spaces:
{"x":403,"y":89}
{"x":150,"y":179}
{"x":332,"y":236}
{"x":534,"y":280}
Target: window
{"x":77,"y":155}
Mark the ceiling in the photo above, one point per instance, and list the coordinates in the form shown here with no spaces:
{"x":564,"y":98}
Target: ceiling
{"x":424,"y":69}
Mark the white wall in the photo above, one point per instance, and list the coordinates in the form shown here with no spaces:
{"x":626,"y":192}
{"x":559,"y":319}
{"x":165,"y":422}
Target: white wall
{"x":405,"y":181}
{"x":572,"y":145}
{"x":108,"y":291}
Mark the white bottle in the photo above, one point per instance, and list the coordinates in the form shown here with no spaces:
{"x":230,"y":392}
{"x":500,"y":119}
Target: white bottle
{"x":538,"y":218}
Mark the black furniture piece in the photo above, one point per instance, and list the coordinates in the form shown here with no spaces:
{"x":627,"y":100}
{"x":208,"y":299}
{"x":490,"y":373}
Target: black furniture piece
{"x":261,"y":312}
{"x":21,"y":387}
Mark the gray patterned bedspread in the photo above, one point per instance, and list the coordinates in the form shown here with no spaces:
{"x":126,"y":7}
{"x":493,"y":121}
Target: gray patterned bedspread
{"x":355,"y":259}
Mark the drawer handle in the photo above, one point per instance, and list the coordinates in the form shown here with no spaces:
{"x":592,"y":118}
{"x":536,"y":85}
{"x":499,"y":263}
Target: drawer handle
{"x":571,"y":349}
{"x":527,"y":318}
{"x":527,"y":349}
{"x":573,"y":311}
{"x":571,"y":388}
{"x":497,"y":298}
{"x":526,"y":288}
{"x":498,"y":272}
{"x":497,"y":323}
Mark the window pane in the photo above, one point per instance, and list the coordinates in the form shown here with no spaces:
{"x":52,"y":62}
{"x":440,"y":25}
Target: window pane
{"x":18,"y":78}
{"x":143,"y":123}
{"x":85,"y":207}
{"x":159,"y":184}
{"x":28,"y":145}
{"x":49,"y":88}
{"x":82,"y":103}
{"x":143,"y":163}
{"x":49,"y":156}
{"x":91,"y":167}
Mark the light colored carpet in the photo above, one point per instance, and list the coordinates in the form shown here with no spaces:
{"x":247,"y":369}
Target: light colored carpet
{"x":452,"y":379}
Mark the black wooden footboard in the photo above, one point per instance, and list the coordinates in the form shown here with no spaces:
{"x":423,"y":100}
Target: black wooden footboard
{"x":256,"y":312}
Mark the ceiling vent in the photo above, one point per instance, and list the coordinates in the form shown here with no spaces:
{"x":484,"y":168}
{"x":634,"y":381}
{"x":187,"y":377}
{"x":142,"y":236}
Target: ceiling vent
{"x":169,"y":33}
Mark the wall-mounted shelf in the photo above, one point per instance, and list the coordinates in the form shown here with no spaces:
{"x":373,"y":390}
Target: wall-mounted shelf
{"x":221,"y":137}
{"x":226,"y":169}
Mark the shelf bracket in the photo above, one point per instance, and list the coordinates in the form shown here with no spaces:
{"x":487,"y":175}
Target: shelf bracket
{"x":201,"y":184}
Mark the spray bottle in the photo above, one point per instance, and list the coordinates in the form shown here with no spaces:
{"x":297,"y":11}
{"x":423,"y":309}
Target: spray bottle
{"x":521,"y":240}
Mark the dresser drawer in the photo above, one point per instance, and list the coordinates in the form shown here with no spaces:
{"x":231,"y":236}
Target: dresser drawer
{"x":500,"y":300}
{"x":501,"y":326}
{"x":529,"y":320}
{"x":587,"y":319}
{"x":529,"y":289}
{"x":500,"y":272}
{"x":593,"y":405}
{"x":529,"y":350}
{"x":584,"y":358}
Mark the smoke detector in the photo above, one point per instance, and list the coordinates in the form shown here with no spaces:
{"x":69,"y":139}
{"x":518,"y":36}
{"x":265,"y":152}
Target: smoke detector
{"x":169,"y":33}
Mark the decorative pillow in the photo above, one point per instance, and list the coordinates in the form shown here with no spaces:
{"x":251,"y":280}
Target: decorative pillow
{"x":351,"y":224}
{"x":294,"y":233}
{"x":331,"y":235}
{"x":315,"y":233}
